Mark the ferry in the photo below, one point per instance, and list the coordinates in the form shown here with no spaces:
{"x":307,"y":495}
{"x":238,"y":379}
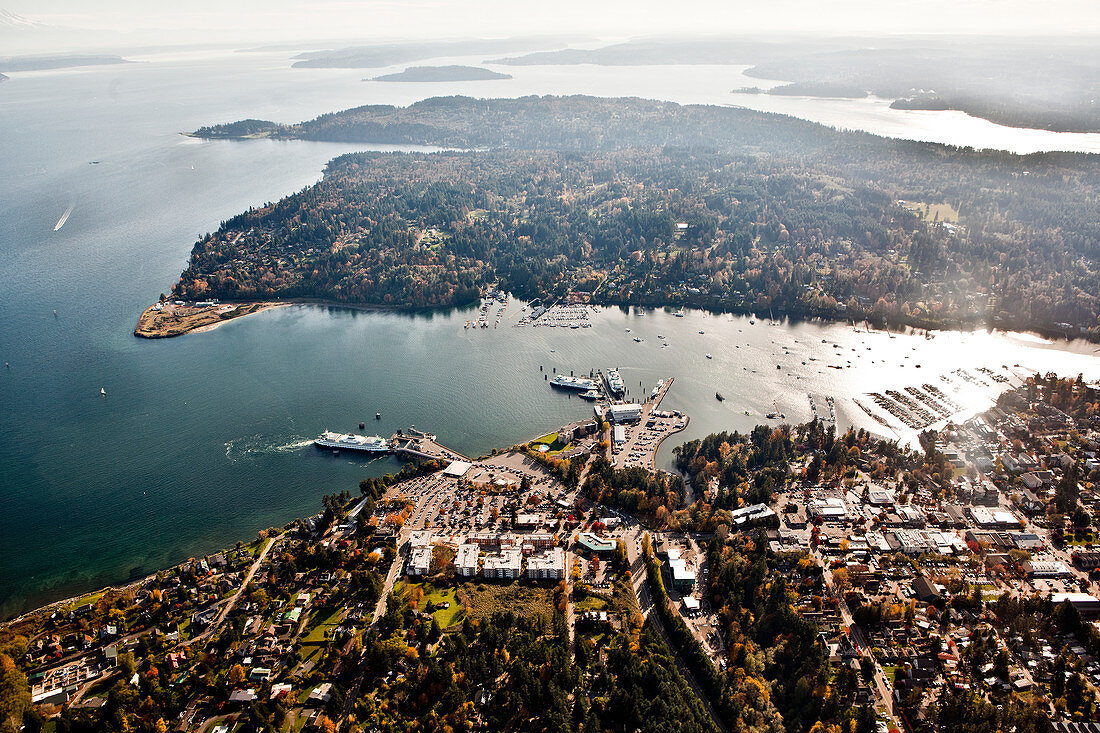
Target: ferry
{"x":615,"y":382}
{"x":580,"y":384}
{"x":347,"y":441}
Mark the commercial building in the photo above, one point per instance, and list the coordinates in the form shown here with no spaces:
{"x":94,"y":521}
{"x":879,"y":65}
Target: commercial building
{"x":629,"y":412}
{"x":594,"y":543}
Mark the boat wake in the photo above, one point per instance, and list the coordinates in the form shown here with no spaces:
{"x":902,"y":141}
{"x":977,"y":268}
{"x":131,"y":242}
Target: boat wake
{"x":259,"y":445}
{"x":64,"y":218}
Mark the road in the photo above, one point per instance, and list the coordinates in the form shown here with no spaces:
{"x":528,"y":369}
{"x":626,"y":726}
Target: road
{"x":882,"y":688}
{"x":228,"y":605}
{"x":645,"y":605}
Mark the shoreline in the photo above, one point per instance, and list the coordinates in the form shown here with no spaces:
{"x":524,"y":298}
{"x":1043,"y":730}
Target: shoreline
{"x":1049,"y":333}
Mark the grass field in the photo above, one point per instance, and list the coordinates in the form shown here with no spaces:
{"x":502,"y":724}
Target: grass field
{"x":485,"y":599}
{"x":934,"y":212}
{"x":591,"y":602}
{"x":321,"y":625}
{"x":445,"y":616}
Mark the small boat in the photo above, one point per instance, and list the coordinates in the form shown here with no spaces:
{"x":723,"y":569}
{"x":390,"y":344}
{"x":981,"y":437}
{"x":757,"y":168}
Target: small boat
{"x":378,"y":416}
{"x":752,"y":323}
{"x":102,"y":392}
{"x":718,"y":396}
{"x":701,"y":332}
{"x":638,"y":340}
{"x":592,"y":394}
{"x":709,"y":356}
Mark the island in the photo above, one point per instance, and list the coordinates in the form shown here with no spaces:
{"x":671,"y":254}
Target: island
{"x":629,"y":201}
{"x":40,"y":62}
{"x":1020,"y":82}
{"x":791,"y":578}
{"x":442,"y":74}
{"x":390,"y":54}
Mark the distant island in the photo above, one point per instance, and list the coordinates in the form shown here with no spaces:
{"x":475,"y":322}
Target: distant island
{"x":630,"y":201}
{"x":389,"y":54}
{"x":442,"y":74}
{"x":44,"y":62}
{"x":1017,"y":82}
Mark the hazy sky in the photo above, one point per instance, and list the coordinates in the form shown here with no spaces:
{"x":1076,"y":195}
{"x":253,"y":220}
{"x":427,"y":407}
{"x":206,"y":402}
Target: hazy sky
{"x":288,"y":19}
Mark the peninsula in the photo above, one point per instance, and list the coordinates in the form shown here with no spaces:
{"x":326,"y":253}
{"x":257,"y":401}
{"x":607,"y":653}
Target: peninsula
{"x":805,"y":579}
{"x":629,"y":201}
{"x":165,"y":318}
{"x":442,"y":74}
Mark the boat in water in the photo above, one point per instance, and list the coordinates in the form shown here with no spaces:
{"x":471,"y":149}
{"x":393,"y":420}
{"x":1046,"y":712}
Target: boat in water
{"x":580,"y":384}
{"x":615,"y":382}
{"x":709,"y":356}
{"x":718,"y":396}
{"x":350,"y":441}
{"x":592,"y":394}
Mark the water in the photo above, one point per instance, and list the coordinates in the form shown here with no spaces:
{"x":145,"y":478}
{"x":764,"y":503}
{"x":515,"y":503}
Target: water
{"x":203,"y":440}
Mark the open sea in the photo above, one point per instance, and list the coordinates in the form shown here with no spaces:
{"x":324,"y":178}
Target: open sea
{"x":204,"y":440}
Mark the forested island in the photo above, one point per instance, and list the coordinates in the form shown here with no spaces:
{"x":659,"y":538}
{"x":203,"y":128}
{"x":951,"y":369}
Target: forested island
{"x":388,"y":54}
{"x":634,"y":201}
{"x":443,"y":73}
{"x":1020,"y":82}
{"x":42,"y":62}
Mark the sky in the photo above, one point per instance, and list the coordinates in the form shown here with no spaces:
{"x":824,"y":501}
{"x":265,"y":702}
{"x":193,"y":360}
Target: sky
{"x":275,"y":20}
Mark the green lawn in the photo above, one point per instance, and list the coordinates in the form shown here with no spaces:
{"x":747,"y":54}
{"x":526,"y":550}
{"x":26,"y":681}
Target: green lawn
{"x":321,"y":624}
{"x":591,"y":602}
{"x":445,"y":616}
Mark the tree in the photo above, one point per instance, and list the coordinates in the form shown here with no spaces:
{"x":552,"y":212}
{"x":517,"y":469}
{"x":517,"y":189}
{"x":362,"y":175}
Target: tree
{"x":15,"y":695}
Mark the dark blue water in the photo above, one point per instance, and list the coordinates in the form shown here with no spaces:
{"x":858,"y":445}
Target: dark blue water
{"x":203,"y":440}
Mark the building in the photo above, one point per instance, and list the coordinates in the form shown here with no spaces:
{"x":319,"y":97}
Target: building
{"x":1040,"y":568}
{"x":618,"y":433}
{"x":683,"y":574}
{"x":419,"y":561}
{"x":466,"y":560}
{"x":508,"y":565}
{"x":527,"y":521}
{"x":457,"y":469}
{"x":1085,"y":604}
{"x":594,"y":543}
{"x":829,"y":510}
{"x":1086,"y":560}
{"x":548,"y":566}
{"x":626,"y":413}
{"x":753,"y":513}
{"x":925,"y":590}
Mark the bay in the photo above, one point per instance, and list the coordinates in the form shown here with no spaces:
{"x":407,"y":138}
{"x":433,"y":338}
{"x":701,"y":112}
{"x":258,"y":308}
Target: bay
{"x":203,"y":440}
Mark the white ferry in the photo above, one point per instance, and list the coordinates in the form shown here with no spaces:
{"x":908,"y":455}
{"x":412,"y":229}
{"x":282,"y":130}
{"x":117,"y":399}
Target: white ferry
{"x":581,"y":384}
{"x":346,"y":441}
{"x":615,"y":382}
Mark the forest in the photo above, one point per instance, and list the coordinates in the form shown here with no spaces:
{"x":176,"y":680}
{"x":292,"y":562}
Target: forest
{"x":720,"y":208}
